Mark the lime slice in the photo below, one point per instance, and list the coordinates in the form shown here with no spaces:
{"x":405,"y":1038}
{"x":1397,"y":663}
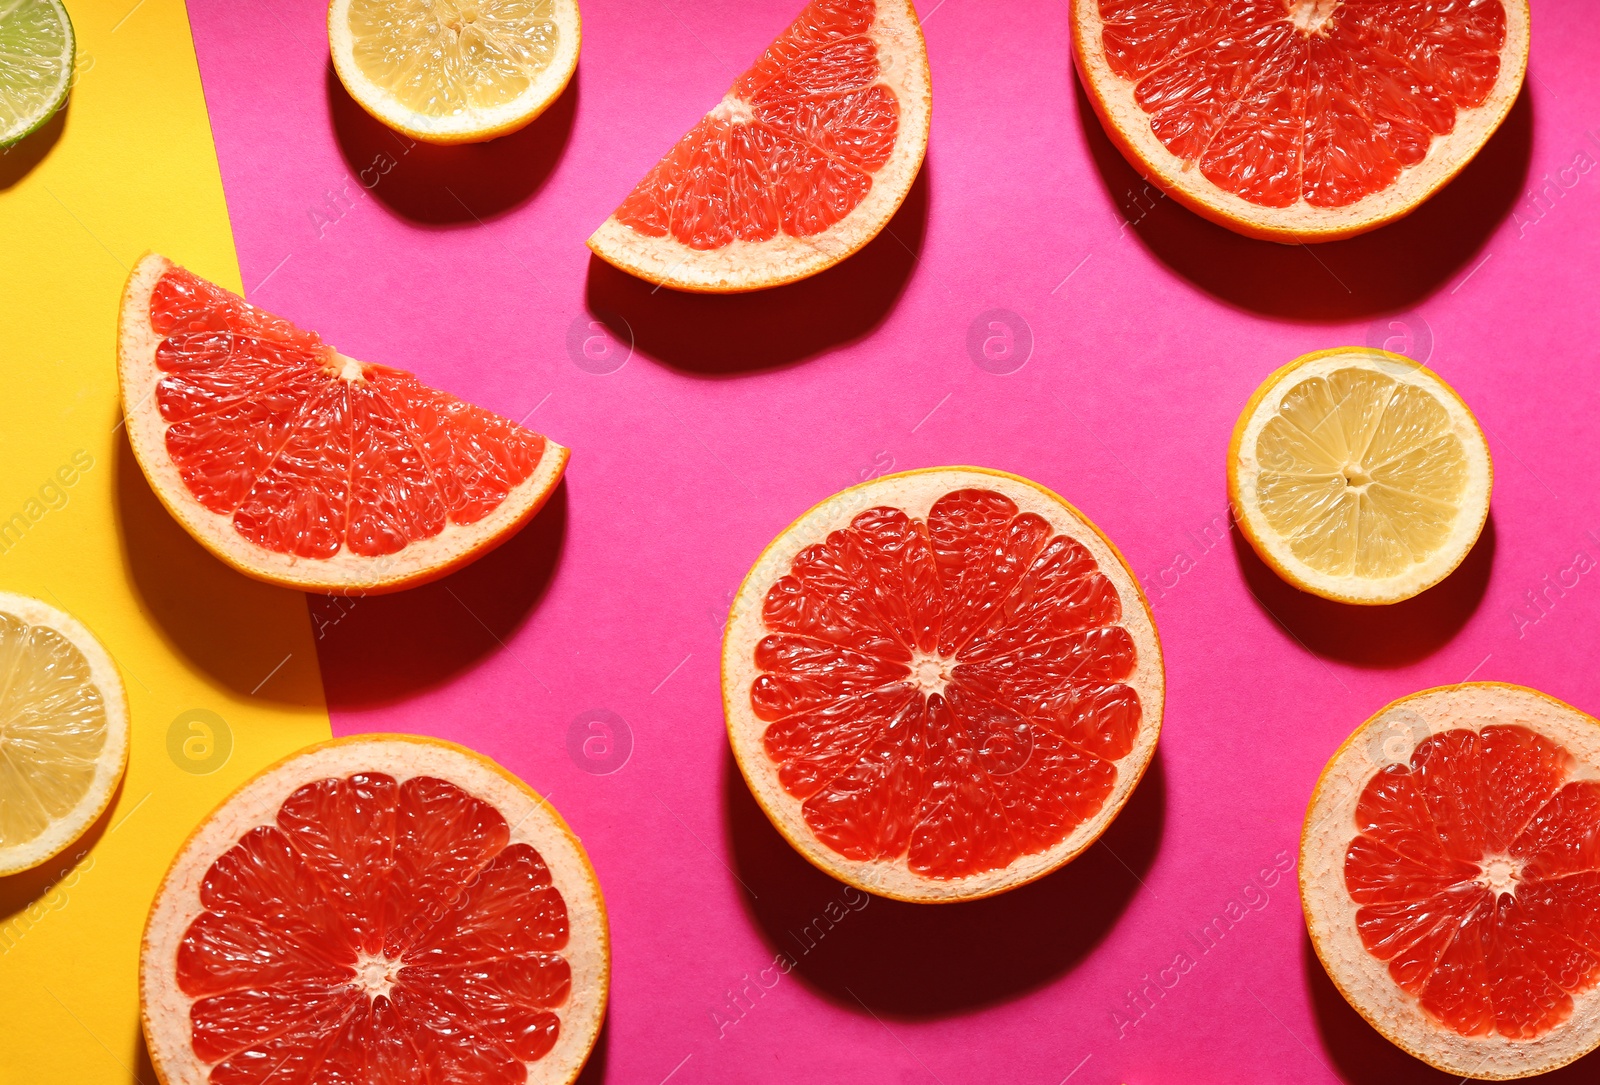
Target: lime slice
{"x":36,"y":47}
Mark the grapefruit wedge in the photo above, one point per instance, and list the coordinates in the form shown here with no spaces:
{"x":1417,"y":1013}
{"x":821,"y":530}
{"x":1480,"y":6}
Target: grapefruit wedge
{"x":1301,"y":120}
{"x":382,"y":909}
{"x":302,"y":467}
{"x":803,"y":161}
{"x":1450,"y":874}
{"x":941,"y":684}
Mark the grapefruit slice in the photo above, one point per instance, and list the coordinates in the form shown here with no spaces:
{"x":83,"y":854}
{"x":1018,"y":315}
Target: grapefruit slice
{"x":941,"y":684}
{"x":1301,"y":120}
{"x":302,"y":467}
{"x":63,"y":731}
{"x":1450,"y":874}
{"x":454,"y":71}
{"x":803,"y":161}
{"x":384,"y":909}
{"x":1358,"y":475}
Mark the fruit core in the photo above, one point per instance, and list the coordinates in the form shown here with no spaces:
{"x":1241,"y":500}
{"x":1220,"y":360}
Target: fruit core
{"x":1501,"y":874}
{"x":930,"y":672}
{"x":1313,"y":16}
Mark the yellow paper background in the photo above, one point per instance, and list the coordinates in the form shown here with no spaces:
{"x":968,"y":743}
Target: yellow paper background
{"x":129,"y":167}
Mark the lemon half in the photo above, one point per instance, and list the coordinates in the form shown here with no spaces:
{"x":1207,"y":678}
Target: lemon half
{"x":1359,"y":475}
{"x":63,"y":731}
{"x":454,"y":71}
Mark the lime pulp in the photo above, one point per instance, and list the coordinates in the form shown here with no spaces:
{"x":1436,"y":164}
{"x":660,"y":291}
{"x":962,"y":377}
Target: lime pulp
{"x":36,"y":50}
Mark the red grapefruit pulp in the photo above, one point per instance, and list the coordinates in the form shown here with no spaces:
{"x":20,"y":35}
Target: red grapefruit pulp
{"x":1301,"y":119}
{"x":305,"y":467}
{"x":376,"y":926}
{"x":801,"y":163}
{"x":942,"y":684}
{"x":1450,"y":873}
{"x":1477,"y":872}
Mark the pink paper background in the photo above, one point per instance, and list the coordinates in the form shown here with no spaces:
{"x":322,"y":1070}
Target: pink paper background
{"x":734,"y":415}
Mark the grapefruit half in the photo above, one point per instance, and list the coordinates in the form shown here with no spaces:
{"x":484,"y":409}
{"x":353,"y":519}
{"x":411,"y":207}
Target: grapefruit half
{"x":942,"y":684}
{"x":302,"y":467}
{"x":805,"y":159}
{"x":1301,"y":120}
{"x":383,"y":909}
{"x":1450,"y":874}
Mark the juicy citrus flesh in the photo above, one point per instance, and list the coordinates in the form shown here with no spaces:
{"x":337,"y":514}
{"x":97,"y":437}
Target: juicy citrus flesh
{"x":792,"y":147}
{"x":947,"y":690}
{"x":1325,"y":101}
{"x":1360,"y":473}
{"x":376,"y":931}
{"x":442,"y":58}
{"x":36,"y":47}
{"x":1476,"y":871}
{"x":53,"y":727}
{"x":309,"y":451}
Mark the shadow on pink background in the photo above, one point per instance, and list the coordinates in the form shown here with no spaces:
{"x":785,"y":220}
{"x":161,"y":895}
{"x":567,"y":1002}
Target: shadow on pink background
{"x":701,"y":426}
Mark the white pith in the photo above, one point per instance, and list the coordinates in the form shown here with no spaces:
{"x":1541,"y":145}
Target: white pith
{"x":60,"y":834}
{"x":532,"y":820}
{"x":754,"y":265}
{"x":1244,"y":471}
{"x":1128,"y":125}
{"x":1331,"y":914}
{"x":915,"y":493}
{"x":467,"y":126}
{"x":345,"y":572}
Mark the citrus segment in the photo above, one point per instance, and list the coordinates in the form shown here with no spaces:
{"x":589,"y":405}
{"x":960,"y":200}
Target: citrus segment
{"x":1302,"y":119}
{"x":63,"y":731}
{"x":1466,"y":875}
{"x":941,"y":684}
{"x":38,"y":45}
{"x":802,"y":162}
{"x":1359,"y":475}
{"x":426,"y":920}
{"x":454,"y":71}
{"x":306,"y":467}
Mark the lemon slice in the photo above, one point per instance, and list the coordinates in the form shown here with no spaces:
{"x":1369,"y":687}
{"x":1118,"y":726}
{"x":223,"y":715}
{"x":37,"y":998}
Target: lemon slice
{"x":454,"y":71}
{"x":36,"y":49}
{"x":63,"y":731}
{"x":1359,"y":475}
